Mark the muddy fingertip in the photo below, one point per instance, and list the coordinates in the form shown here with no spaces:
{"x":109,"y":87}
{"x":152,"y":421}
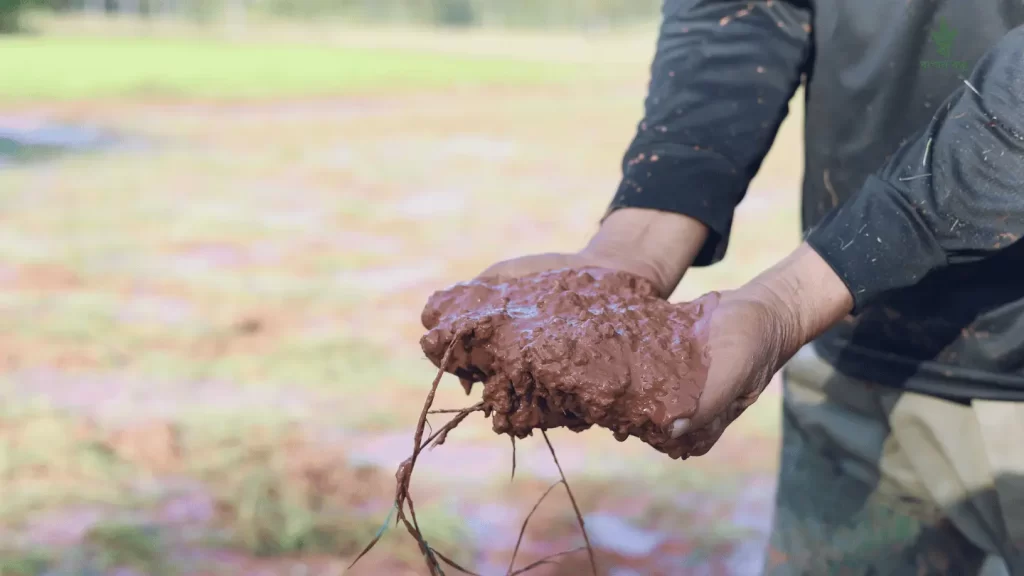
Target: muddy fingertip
{"x":679,"y":427}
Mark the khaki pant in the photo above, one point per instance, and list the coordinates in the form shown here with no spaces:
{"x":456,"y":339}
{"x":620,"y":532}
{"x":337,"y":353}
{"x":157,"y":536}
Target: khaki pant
{"x":876,"y":481}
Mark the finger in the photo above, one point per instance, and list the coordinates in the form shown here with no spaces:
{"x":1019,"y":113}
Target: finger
{"x":498,"y":276}
{"x":680,"y":427}
{"x":506,"y":269}
{"x":712,"y":402}
{"x":492,"y":272}
{"x":523,"y":266}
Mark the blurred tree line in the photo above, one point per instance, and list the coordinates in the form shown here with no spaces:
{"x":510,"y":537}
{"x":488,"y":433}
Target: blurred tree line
{"x":501,"y":13}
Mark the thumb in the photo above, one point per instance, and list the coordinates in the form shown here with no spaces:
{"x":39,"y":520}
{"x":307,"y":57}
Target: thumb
{"x":704,"y":309}
{"x":679,"y":427}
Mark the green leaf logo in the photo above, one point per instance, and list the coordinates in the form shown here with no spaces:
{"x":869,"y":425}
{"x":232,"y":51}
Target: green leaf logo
{"x":943,"y":37}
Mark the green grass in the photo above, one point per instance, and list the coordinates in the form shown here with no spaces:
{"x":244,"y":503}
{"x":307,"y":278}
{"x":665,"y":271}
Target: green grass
{"x":112,"y":546}
{"x":60,"y":69}
{"x":23,"y":562}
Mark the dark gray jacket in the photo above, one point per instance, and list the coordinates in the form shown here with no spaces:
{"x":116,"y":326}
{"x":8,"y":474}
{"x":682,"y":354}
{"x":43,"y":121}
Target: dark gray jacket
{"x":914,"y":182}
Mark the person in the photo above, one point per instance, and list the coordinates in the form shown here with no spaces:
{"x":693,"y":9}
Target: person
{"x":898,"y":323}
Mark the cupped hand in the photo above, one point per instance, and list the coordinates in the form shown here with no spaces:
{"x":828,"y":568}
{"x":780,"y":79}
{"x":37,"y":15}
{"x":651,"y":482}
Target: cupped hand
{"x":747,"y":345}
{"x":755,"y":330}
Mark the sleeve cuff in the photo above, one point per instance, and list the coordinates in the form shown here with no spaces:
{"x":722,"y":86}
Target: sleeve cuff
{"x":702,"y":185}
{"x":876,"y":242}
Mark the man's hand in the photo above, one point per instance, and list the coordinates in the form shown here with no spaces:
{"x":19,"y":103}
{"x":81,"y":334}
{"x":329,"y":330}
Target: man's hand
{"x":657,"y":246}
{"x":755,"y":330}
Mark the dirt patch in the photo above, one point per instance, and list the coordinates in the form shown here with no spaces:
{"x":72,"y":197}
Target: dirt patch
{"x":43,"y":277}
{"x":120,"y":398}
{"x":153,"y":445}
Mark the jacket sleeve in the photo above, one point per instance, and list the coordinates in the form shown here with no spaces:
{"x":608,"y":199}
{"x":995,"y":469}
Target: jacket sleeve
{"x":722,"y":78}
{"x":954,"y":194}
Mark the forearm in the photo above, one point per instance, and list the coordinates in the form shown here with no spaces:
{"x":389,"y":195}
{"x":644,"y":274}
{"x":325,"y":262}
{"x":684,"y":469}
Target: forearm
{"x":657,"y":245}
{"x":721,"y":82}
{"x":805,"y":295}
{"x":954,"y":194}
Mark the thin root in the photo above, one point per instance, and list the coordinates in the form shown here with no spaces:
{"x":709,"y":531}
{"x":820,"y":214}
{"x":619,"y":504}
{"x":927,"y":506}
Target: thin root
{"x":403,"y":498}
{"x":513,"y":458}
{"x":522,"y":530}
{"x":441,"y":435}
{"x":406,"y":468}
{"x":453,"y":564}
{"x":446,"y":411}
{"x":575,"y":507}
{"x":546,"y":560}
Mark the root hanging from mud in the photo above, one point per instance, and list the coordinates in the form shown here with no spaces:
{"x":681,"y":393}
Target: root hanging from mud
{"x":405,"y":507}
{"x":572,"y":498}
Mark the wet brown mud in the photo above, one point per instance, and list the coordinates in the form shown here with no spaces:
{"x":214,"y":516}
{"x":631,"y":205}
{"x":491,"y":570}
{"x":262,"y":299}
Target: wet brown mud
{"x":575,"y":349}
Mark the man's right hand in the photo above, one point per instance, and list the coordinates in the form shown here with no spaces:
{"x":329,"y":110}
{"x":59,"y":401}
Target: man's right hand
{"x":657,"y":246}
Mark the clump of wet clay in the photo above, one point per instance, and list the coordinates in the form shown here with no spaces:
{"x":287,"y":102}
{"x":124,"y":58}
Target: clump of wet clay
{"x":574,"y":349}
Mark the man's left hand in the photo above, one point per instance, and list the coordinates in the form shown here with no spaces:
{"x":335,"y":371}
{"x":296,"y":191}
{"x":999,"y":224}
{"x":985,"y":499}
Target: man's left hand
{"x":755,"y":330}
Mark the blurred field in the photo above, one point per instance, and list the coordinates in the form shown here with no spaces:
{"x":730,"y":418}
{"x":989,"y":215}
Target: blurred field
{"x":67,"y":69}
{"x":208,"y":334}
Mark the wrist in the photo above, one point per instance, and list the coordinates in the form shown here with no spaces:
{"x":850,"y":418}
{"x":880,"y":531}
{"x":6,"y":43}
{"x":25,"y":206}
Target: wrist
{"x":657,"y":245}
{"x":806,"y":296}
